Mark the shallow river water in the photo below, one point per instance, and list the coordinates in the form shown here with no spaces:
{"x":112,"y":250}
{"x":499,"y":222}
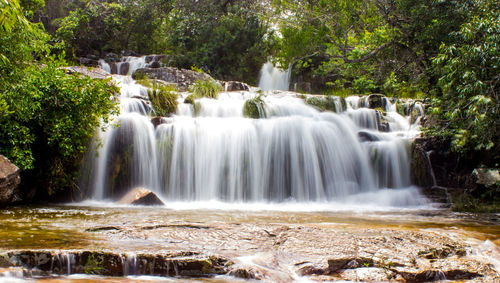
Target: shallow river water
{"x":229,"y":230}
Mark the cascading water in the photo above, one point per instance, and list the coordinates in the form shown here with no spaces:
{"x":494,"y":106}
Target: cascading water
{"x":272,"y":78}
{"x":296,"y":153}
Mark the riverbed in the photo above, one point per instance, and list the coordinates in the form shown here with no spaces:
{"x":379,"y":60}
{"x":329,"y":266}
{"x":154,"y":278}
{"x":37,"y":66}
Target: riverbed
{"x":276,"y":243}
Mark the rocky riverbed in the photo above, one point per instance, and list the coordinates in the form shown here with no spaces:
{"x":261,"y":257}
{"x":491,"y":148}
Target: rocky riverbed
{"x":50,"y":243}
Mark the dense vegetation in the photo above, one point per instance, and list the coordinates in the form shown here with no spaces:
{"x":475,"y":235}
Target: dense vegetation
{"x":224,"y":38}
{"x":446,"y":52}
{"x":47,"y":117}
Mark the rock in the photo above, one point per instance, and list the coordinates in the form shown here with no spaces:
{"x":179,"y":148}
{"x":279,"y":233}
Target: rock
{"x":115,"y":264}
{"x":376,"y":101}
{"x":141,"y":196}
{"x":235,"y":86}
{"x":367,"y":137}
{"x":129,"y":53}
{"x":111,"y":58}
{"x":9,"y":181}
{"x":154,"y":58}
{"x":156,"y":121}
{"x":421,"y":169}
{"x":486,"y":176}
{"x":182,"y":77}
{"x":382,"y":122}
{"x":304,"y":87}
{"x":123,"y":68}
{"x":88,"y":62}
{"x":94,"y":73}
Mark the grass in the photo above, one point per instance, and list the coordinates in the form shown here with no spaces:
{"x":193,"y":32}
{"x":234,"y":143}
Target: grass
{"x":163,"y":99}
{"x":205,"y":88}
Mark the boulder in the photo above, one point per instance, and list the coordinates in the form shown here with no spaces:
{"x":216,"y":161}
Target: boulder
{"x":124,"y":67}
{"x":88,"y":62}
{"x":157,"y":120}
{"x":150,"y":59}
{"x":382,"y":122}
{"x":9,"y":181}
{"x":364,"y":136}
{"x":486,"y":176}
{"x":94,"y":73}
{"x":421,"y":168}
{"x":481,"y":179}
{"x":141,"y":196}
{"x":112,"y":57}
{"x":182,"y":77}
{"x":235,"y":86}
{"x":376,"y":101}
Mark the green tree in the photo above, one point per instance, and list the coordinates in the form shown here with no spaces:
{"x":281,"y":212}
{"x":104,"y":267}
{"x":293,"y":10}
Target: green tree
{"x":469,"y":109}
{"x":47,"y":117}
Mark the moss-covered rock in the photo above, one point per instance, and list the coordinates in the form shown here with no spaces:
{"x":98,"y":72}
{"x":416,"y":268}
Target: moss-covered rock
{"x":163,"y":99}
{"x":254,"y":108}
{"x":327,"y":103}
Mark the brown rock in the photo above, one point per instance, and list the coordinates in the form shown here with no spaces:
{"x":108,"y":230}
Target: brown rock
{"x":182,"y":77}
{"x":141,"y":196}
{"x":235,"y":86}
{"x":9,"y":180}
{"x":94,"y":73}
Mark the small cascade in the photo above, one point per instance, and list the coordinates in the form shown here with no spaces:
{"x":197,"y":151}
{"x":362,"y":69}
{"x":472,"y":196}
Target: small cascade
{"x":129,"y":264}
{"x":273,"y":78}
{"x":129,"y":64}
{"x":293,"y":153}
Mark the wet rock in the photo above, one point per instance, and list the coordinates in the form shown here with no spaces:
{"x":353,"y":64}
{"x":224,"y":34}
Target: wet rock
{"x":336,"y":264}
{"x":242,"y":273}
{"x":367,"y":137}
{"x":235,"y":86}
{"x":367,"y":274}
{"x":156,"y":121}
{"x":111,"y":57}
{"x":304,"y":87}
{"x":327,"y":103}
{"x":182,"y":77}
{"x":382,"y":122}
{"x":150,"y":59}
{"x":376,"y":101}
{"x":420,"y":166}
{"x":141,"y":196}
{"x":9,"y":181}
{"x":113,"y":264}
{"x":94,"y":73}
{"x":310,"y":270}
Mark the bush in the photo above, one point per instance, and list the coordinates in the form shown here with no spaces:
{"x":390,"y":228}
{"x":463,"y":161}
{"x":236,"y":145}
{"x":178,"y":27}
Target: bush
{"x":205,"y":88}
{"x":47,"y":120}
{"x":163,"y":99}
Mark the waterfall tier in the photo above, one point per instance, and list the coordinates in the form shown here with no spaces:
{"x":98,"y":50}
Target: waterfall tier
{"x":296,"y":153}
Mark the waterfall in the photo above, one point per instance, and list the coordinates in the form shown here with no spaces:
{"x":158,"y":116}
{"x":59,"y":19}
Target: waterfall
{"x":272,"y":78}
{"x":296,"y":153}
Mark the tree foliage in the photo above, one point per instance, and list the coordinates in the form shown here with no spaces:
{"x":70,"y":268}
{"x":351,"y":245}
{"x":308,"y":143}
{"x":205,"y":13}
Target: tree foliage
{"x":469,"y":110}
{"x":47,"y":117}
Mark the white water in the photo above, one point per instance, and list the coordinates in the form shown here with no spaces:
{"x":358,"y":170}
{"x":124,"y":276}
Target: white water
{"x":296,"y":155}
{"x":273,"y":78}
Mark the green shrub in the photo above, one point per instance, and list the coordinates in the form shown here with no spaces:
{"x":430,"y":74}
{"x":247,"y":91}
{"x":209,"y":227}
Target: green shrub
{"x":163,"y":99}
{"x":205,"y":88}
